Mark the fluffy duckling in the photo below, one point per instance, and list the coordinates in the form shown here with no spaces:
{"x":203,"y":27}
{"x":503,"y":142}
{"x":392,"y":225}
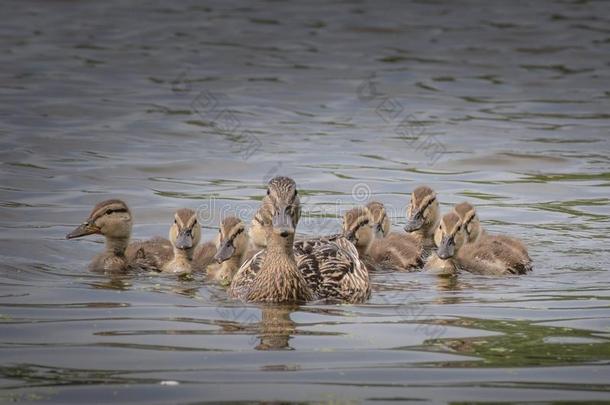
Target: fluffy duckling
{"x":184,"y":235}
{"x":232,"y":250}
{"x":392,"y":250}
{"x":330,"y":266}
{"x":475,"y":233}
{"x":112,"y":219}
{"x":272,"y":275}
{"x":379,"y":219}
{"x":488,"y":256}
{"x":423,"y":214}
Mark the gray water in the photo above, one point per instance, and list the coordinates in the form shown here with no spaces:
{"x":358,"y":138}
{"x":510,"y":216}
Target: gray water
{"x":192,"y":104}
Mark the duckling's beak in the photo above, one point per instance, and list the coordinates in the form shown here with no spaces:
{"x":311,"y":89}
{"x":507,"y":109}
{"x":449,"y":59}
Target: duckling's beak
{"x":184,"y":240}
{"x":282,"y":222}
{"x":446,"y":248}
{"x":415,"y":223}
{"x":84,"y":229}
{"x":225,"y":252}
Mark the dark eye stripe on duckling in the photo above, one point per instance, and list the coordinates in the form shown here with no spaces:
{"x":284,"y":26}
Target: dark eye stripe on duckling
{"x":108,"y":211}
{"x":359,"y":225}
{"x":234,"y":235}
{"x":422,"y":209}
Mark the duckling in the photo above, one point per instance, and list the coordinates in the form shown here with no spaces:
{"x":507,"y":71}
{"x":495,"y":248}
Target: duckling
{"x":489,"y":257}
{"x":232,"y":250}
{"x":272,"y":275}
{"x":392,"y":250}
{"x":112,"y":219}
{"x":184,"y":235}
{"x":475,"y":233}
{"x":423,"y":214}
{"x":330,"y":266}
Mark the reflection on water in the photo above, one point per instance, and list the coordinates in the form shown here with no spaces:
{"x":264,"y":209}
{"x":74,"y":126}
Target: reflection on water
{"x":276,"y":328}
{"x":184,"y":104}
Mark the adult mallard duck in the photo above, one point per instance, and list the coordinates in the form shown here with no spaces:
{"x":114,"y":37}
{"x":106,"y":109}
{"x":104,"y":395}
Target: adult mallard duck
{"x":113,"y":220}
{"x":330,"y":267}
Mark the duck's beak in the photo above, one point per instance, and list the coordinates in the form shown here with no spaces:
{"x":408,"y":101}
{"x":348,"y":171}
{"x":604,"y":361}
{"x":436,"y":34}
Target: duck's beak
{"x":282,"y":222}
{"x":225,"y":252}
{"x":184,"y":240}
{"x":446,"y":248}
{"x":414,"y":223}
{"x":84,"y":229}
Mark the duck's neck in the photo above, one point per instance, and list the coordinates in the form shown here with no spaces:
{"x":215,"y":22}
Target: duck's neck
{"x":279,"y":279}
{"x":182,"y":260}
{"x":116,"y":246}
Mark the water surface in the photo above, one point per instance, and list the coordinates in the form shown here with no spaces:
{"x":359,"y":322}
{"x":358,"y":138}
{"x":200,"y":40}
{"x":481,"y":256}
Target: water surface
{"x":197,"y":105}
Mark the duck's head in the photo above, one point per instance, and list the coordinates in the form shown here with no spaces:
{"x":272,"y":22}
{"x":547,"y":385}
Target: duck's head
{"x":110,"y":218}
{"x":470,"y":221}
{"x":357,"y":227}
{"x":379,"y":219}
{"x":281,"y":207}
{"x":449,"y":236}
{"x":232,"y":240}
{"x":185,"y":232}
{"x":423,"y":210}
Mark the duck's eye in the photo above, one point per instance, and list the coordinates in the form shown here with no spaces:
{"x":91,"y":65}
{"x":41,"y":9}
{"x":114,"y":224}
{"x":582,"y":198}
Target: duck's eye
{"x":175,"y":222}
{"x":268,"y":192}
{"x":108,"y":211}
{"x":194,"y":222}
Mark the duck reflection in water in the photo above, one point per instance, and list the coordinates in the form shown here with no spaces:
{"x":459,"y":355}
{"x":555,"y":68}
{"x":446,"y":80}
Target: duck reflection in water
{"x":276,"y":328}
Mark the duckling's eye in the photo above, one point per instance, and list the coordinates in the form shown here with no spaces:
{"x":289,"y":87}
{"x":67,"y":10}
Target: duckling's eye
{"x":108,"y":211}
{"x":268,"y":192}
{"x":175,"y":222}
{"x":194,"y":222}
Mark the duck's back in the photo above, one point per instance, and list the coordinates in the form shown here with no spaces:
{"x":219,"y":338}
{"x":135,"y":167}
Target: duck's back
{"x":514,"y":243}
{"x":396,"y":252}
{"x":204,"y":255}
{"x":493,"y":256}
{"x":149,"y":255}
{"x":332,"y":268}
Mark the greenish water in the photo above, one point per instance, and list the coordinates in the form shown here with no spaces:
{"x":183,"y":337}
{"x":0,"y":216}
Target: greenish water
{"x":187,"y":104}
